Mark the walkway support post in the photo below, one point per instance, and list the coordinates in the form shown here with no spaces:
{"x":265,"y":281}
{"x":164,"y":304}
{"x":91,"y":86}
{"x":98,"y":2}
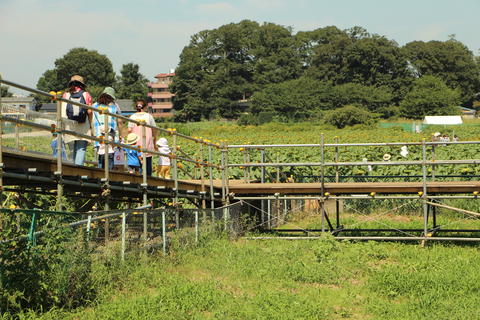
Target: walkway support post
{"x":59,"y":155}
{"x":424,"y":196}
{"x":262,"y":177}
{"x":222,"y":148}
{"x":227,"y":188}
{"x":202,"y":179}
{"x":175,"y":177}
{"x":144,"y":181}
{"x":210,"y":164}
{"x":322,"y":153}
{"x":337,"y":203}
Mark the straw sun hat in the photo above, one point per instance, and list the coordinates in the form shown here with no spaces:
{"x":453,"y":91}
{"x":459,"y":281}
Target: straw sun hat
{"x":386,"y":157}
{"x":132,"y":138}
{"x":75,"y":78}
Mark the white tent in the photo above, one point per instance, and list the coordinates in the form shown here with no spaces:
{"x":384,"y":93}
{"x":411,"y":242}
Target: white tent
{"x":442,"y":120}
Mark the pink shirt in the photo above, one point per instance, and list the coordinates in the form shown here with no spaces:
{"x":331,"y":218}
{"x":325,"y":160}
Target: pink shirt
{"x":139,"y":130}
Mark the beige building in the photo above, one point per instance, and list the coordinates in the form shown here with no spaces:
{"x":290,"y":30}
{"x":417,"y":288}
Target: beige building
{"x":161,"y":96}
{"x":27,"y":103}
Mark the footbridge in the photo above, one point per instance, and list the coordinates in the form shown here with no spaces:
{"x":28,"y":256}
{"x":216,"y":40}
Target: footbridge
{"x":203,"y":179}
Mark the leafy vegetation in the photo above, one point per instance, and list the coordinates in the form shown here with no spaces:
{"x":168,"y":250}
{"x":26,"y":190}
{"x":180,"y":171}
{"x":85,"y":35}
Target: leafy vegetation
{"x":310,"y":279}
{"x":297,"y":76}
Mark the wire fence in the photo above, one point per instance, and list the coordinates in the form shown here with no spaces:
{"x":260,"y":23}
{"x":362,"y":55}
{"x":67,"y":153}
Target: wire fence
{"x":135,"y":229}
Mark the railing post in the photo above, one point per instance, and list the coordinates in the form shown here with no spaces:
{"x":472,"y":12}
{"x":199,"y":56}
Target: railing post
{"x":245,"y":169}
{"x":212,"y":202}
{"x":322,"y":150}
{"x":59,"y":155}
{"x":202,"y":179}
{"x":262,"y":177}
{"x":144,"y":180}
{"x":425,"y":205}
{"x":227,"y":183}
{"x":175,"y":176}
{"x":337,"y":203}
{"x":222,"y":148}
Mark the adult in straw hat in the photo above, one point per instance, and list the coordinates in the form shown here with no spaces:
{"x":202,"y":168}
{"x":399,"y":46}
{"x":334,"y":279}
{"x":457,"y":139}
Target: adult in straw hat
{"x":77,"y":145}
{"x":386,"y":157}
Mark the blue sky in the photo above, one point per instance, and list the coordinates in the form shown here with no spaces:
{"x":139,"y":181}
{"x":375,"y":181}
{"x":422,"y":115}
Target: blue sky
{"x":152,"y":33}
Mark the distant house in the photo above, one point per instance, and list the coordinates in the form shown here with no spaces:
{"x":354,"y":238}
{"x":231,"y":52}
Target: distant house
{"x":49,"y":108}
{"x":27,"y":103}
{"x":127,"y":107}
{"x":468,"y":113}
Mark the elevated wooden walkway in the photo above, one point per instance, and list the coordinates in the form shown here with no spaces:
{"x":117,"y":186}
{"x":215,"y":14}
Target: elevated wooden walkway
{"x":33,"y":171}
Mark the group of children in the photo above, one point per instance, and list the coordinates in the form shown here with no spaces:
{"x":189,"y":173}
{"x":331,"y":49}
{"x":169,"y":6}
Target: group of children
{"x":134,"y":156}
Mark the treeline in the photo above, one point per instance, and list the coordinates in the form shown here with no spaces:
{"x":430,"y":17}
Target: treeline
{"x":297,"y":77}
{"x":97,"y":71}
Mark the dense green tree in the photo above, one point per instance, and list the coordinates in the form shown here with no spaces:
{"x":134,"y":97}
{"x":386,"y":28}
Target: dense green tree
{"x":355,"y":56}
{"x":96,"y":69}
{"x":131,"y":84}
{"x":297,"y":98}
{"x":450,"y":61}
{"x":430,"y":96}
{"x":5,"y":92}
{"x":349,"y":116}
{"x":224,"y":65}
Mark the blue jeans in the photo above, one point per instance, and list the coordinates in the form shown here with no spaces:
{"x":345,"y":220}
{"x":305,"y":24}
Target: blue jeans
{"x":101,"y":161}
{"x":78,"y":149}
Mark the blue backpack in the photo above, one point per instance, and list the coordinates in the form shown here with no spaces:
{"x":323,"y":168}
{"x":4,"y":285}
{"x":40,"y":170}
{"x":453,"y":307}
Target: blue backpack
{"x":75,"y":112}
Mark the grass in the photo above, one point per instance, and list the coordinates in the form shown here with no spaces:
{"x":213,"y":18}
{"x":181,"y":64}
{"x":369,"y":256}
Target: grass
{"x":321,"y":278}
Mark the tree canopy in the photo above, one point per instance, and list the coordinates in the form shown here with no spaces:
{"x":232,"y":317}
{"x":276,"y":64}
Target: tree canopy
{"x":430,"y":96}
{"x":312,"y":71}
{"x":131,"y":84}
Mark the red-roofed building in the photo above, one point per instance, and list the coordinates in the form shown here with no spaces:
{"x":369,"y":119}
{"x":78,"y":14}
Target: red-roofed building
{"x":162,"y":98}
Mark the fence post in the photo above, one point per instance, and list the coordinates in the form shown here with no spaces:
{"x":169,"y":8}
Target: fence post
{"x":124,"y":224}
{"x":89,"y":221}
{"x":196,"y":226}
{"x":164,"y":232}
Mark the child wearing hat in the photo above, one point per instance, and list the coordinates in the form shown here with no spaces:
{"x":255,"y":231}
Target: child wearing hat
{"x":163,"y":161}
{"x":134,"y":158}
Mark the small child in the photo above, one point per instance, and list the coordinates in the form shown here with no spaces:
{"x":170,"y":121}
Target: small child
{"x":54,"y":146}
{"x":163,"y":162}
{"x":119,"y":158}
{"x":134,"y":158}
{"x":101,"y":151}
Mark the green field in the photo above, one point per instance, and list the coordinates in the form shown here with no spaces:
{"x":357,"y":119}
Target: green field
{"x":222,"y":278}
{"x":234,"y":278}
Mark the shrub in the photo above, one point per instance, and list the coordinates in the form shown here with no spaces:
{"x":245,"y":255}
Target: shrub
{"x":348,"y":116}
